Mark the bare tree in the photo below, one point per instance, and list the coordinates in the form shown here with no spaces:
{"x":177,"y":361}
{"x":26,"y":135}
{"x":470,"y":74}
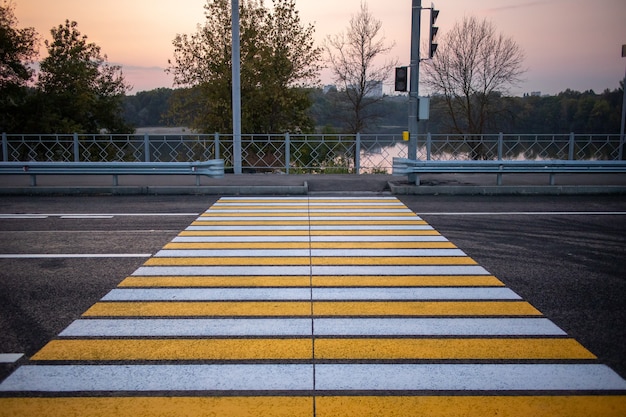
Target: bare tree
{"x":351,"y":57}
{"x":473,"y":68}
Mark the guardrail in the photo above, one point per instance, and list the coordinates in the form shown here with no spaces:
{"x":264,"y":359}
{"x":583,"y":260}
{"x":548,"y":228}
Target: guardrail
{"x":304,"y":153}
{"x":413,"y":169}
{"x":212,"y":168}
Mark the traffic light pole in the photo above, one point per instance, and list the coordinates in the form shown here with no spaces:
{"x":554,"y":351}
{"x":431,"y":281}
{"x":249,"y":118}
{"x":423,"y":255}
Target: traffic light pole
{"x":414,"y":79}
{"x":236,"y":89}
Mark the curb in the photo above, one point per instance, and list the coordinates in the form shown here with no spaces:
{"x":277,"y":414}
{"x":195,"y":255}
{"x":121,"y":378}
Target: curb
{"x":406,"y":189}
{"x":395,"y":189}
{"x":162,"y":190}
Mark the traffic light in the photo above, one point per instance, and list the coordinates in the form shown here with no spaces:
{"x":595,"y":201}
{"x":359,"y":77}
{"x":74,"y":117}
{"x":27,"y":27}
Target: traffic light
{"x":402,"y":74}
{"x":433,"y":32}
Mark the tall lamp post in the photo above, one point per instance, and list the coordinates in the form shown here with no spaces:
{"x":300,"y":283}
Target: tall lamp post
{"x":236,"y":91}
{"x":621,"y":133}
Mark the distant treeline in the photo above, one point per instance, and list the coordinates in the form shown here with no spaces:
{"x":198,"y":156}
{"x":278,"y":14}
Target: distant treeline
{"x":569,"y":111}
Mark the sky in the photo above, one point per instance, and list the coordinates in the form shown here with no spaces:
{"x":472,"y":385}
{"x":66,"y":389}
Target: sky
{"x":573,"y":44}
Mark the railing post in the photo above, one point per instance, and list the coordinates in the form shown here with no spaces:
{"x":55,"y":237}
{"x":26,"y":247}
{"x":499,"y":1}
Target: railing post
{"x":357,"y":153}
{"x":571,"y":146}
{"x":500,"y":145}
{"x":76,"y":148}
{"x":287,"y":152}
{"x":429,"y":144}
{"x":216,"y":144}
{"x":146,"y":147}
{"x":5,"y":147}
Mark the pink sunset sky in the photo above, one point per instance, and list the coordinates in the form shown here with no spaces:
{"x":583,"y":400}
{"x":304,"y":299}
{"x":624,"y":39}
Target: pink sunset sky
{"x":572,"y":44}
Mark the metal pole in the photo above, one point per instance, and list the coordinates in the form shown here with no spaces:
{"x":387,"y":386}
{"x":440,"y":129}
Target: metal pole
{"x":621,"y":134}
{"x":216,"y":145}
{"x":287,"y":152}
{"x":415,"y":73}
{"x":146,"y":148}
{"x":76,"y":148}
{"x":357,"y":153}
{"x":236,"y":61}
{"x":5,"y":147}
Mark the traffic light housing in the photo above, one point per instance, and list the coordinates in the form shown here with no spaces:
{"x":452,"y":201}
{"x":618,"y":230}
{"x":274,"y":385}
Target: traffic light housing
{"x":433,"y":32}
{"x":402,"y":76}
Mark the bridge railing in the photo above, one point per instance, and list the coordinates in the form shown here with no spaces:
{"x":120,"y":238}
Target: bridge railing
{"x":306,"y":153}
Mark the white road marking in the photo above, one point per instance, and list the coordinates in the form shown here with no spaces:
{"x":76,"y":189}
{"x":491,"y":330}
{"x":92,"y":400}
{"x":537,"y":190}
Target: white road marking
{"x":23,"y":216}
{"x":298,"y":377}
{"x":436,"y":327}
{"x":185,"y":327}
{"x":77,"y":378}
{"x":208,"y":294}
{"x":528,"y":213}
{"x":415,"y":293}
{"x":241,"y":239}
{"x":222,"y":270}
{"x":304,"y":294}
{"x":377,"y":238}
{"x":239,"y":253}
{"x":10,"y":357}
{"x":72,"y":255}
{"x":89,"y":215}
{"x":375,"y":327}
{"x":195,"y":253}
{"x":462,"y":377}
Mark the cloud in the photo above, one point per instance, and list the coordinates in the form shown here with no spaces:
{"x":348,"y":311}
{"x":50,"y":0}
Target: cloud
{"x":525,"y":5}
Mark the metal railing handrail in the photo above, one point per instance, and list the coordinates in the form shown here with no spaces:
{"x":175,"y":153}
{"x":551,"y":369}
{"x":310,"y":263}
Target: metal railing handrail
{"x":312,"y":153}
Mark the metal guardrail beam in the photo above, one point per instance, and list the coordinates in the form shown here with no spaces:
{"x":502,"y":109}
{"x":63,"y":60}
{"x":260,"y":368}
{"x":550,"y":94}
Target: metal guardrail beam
{"x":213,"y":168}
{"x":410,"y":167}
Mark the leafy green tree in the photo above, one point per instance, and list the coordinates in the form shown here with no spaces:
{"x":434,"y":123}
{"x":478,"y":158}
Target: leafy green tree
{"x":81,"y":91}
{"x":278,"y":58}
{"x":147,"y":108}
{"x":18,"y":48}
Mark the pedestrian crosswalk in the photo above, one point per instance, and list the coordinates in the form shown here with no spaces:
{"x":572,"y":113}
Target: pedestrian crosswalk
{"x":303,"y":306}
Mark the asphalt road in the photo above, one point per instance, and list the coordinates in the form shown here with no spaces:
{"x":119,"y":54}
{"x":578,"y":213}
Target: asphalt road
{"x":565,"y":255}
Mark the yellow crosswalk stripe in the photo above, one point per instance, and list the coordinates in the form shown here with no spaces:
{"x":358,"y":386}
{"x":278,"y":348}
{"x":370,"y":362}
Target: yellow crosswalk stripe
{"x":204,"y":309}
{"x":306,"y":207}
{"x":424,"y":308}
{"x":429,"y":349}
{"x":301,"y":349}
{"x":216,"y":214}
{"x":311,"y":245}
{"x":308,"y":222}
{"x":206,"y":406}
{"x":471,"y":406}
{"x":320,"y":308}
{"x":205,"y":281}
{"x":301,"y":260}
{"x":176,"y":349}
{"x":244,"y":233}
{"x":406,"y":281}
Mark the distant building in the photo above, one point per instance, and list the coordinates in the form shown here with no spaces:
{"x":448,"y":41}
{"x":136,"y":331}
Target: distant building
{"x":535,"y":94}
